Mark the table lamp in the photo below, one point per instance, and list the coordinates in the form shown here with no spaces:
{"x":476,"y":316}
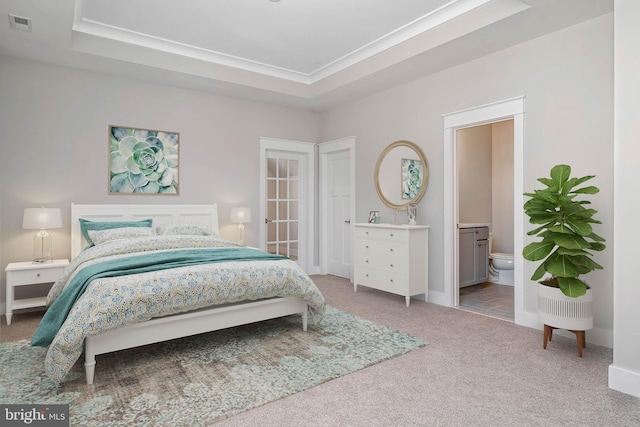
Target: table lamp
{"x":41,"y":218}
{"x":241,"y":216}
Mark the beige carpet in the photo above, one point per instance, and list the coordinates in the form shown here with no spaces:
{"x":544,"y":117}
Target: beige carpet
{"x":476,"y":371}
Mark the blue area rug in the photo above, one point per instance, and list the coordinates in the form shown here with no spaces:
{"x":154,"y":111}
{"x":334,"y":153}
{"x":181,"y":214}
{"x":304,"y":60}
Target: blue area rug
{"x":199,"y":380}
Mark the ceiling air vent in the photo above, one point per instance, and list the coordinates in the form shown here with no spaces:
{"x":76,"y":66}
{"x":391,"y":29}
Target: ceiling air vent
{"x":20,"y":23}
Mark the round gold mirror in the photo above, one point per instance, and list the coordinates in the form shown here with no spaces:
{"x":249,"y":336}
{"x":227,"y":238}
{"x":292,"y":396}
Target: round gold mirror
{"x":401,"y":175}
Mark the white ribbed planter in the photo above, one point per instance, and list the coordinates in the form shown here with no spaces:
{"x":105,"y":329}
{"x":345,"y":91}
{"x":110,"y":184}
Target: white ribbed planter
{"x":563,"y":312}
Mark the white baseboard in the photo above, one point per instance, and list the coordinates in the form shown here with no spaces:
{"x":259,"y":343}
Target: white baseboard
{"x":624,"y":381}
{"x":438,"y":298}
{"x":597,"y":336}
{"x":314,"y":270}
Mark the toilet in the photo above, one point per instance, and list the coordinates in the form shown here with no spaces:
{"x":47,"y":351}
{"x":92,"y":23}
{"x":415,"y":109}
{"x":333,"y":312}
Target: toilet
{"x":500,"y":266}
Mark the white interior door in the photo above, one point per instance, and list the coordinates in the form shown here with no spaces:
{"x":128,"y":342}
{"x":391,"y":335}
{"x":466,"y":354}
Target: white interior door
{"x":337,"y":206}
{"x":283,"y":217}
{"x":339,"y":209}
{"x":287,"y":173}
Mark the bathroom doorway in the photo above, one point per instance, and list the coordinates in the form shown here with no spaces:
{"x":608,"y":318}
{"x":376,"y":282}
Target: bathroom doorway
{"x":485,"y":199}
{"x":484,"y":114}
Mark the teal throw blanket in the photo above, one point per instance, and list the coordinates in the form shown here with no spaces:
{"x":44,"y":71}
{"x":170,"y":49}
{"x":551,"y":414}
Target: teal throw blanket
{"x":58,"y":311}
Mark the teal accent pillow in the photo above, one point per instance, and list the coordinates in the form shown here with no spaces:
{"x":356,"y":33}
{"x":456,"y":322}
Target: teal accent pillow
{"x":86,"y":225}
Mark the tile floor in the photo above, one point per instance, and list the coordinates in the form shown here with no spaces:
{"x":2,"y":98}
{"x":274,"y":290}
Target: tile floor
{"x":488,"y":298}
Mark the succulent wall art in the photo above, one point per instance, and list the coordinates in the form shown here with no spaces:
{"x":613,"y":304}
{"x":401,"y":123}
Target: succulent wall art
{"x":143,"y":161}
{"x":412,"y":177}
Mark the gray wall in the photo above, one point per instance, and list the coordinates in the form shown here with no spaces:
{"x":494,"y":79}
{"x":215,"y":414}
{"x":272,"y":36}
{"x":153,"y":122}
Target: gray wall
{"x":502,"y":186}
{"x":474,"y":175}
{"x":54,"y":124}
{"x":567,"y":78}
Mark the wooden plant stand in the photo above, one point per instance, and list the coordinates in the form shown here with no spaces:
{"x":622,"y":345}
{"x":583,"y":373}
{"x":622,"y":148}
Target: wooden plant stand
{"x":580,"y":337}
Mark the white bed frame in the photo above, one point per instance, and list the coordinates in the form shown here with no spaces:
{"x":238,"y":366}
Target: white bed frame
{"x":178,"y":325}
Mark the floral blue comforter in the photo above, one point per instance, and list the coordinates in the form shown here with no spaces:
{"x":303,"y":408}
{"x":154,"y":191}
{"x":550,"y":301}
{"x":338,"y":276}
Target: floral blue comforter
{"x":112,"y":302}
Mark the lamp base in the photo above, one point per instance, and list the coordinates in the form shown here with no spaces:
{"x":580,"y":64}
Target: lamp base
{"x":241,"y":234}
{"x":42,"y":247}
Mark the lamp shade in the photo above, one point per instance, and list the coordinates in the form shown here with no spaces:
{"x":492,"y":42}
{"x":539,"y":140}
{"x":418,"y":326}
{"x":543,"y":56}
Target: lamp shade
{"x":240,"y":215}
{"x":41,"y":218}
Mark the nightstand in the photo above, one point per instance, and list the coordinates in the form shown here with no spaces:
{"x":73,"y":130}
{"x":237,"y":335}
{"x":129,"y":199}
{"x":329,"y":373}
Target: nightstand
{"x":30,"y":273}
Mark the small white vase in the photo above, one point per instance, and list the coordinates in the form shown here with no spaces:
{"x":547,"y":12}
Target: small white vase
{"x":563,"y":312}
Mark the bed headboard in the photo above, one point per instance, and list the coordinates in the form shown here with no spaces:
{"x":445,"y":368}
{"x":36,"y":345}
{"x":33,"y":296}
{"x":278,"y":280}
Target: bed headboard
{"x":161,"y":214}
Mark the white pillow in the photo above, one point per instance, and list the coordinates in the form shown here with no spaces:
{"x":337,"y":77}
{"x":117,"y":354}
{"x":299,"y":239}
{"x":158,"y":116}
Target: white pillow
{"x":185,"y":229}
{"x":102,"y":236}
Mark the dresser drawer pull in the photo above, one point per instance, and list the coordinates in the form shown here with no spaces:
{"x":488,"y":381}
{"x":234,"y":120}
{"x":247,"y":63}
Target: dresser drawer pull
{"x":391,"y":234}
{"x":391,"y":280}
{"x":38,"y":275}
{"x":367,"y":246}
{"x":366,"y":260}
{"x":391,"y":249}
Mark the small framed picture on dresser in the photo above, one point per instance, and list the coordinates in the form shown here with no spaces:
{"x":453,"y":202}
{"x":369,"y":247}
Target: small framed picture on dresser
{"x":373,"y":217}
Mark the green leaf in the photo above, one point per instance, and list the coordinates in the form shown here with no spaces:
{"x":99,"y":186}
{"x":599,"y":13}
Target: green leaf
{"x":597,"y":246}
{"x":574,"y":182}
{"x":538,"y":204}
{"x":537,"y":230}
{"x":572,"y":252}
{"x":571,"y":241}
{"x":546,"y":196}
{"x":592,"y":265}
{"x":580,"y":227}
{"x":560,"y":174}
{"x":543,"y":218}
{"x":537,"y":250}
{"x":561,"y":229}
{"x":561,"y":266}
{"x":572,"y":287}
{"x":587,"y":190}
{"x":551,"y":184}
{"x":537,"y":275}
{"x":595,"y":237}
{"x":583,"y":213}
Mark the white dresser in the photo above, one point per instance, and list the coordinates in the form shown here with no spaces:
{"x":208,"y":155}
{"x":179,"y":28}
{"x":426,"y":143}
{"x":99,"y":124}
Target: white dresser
{"x":392,"y":258}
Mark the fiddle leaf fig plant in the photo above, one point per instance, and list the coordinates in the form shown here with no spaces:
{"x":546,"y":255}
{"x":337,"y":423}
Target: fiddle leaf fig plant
{"x":565,"y":228}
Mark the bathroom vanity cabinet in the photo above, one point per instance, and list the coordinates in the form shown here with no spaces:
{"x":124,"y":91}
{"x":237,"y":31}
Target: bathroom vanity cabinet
{"x":392,"y":258}
{"x":473,"y":257}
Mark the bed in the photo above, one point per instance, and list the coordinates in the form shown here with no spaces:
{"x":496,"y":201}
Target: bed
{"x":177,"y":301}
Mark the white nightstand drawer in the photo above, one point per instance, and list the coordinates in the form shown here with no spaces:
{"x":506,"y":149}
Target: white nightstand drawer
{"x":32,"y":277}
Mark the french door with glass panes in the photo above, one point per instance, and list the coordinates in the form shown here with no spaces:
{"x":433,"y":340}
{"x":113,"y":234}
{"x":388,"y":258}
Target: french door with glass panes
{"x":283,"y":204}
{"x":287,"y":173}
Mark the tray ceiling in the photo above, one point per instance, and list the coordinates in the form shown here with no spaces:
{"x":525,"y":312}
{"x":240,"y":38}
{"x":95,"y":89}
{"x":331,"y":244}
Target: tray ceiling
{"x":311,"y":53}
